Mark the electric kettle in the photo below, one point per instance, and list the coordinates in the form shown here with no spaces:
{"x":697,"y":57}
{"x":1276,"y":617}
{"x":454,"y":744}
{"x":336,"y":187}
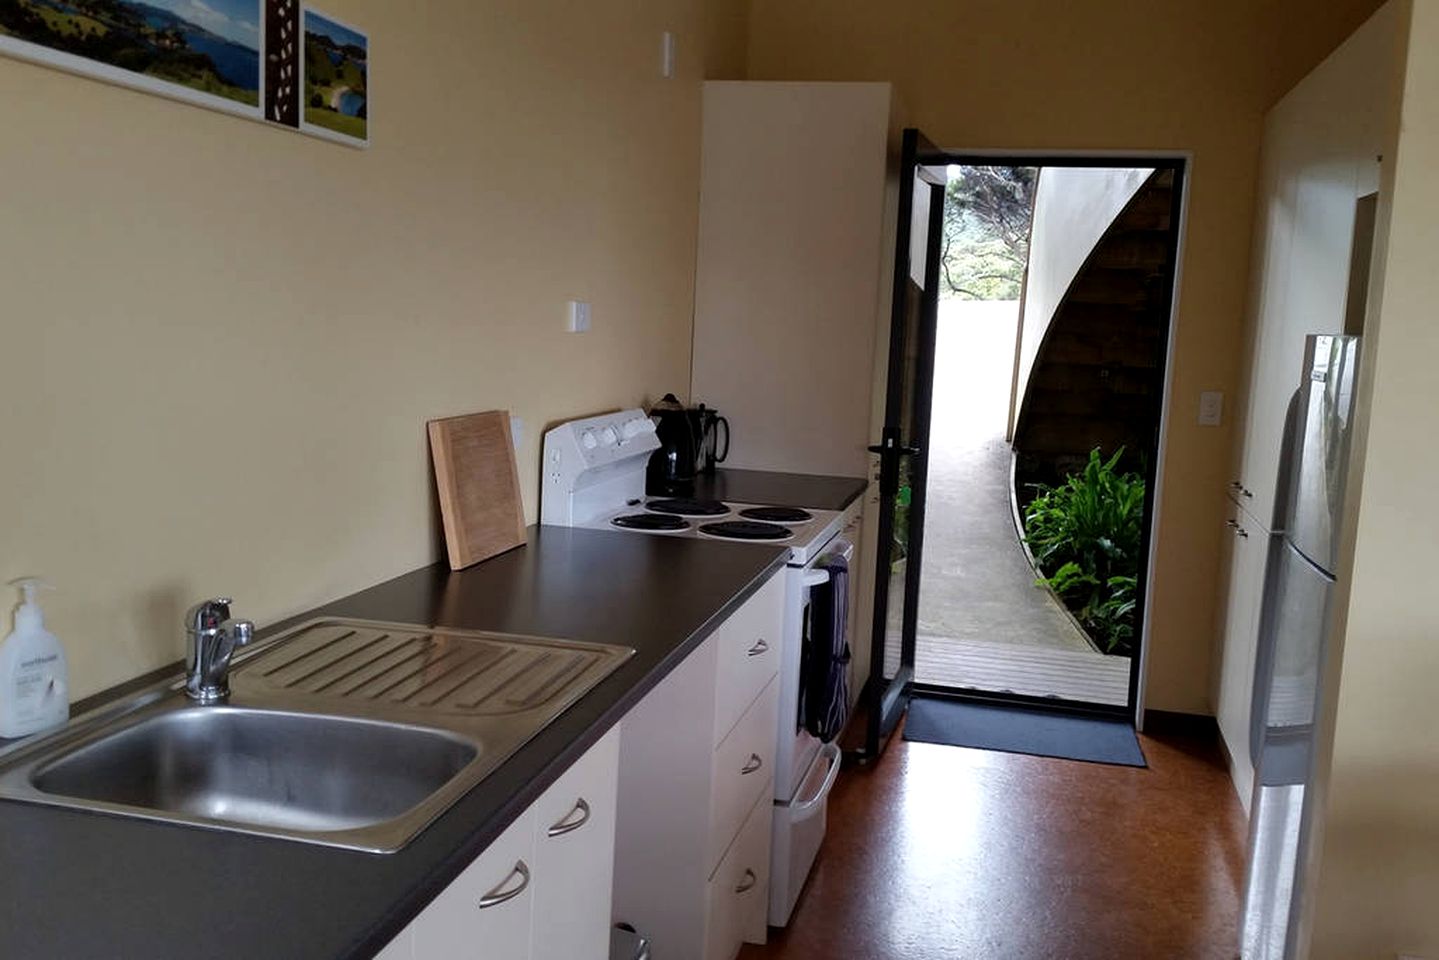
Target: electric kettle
{"x":671,"y":468}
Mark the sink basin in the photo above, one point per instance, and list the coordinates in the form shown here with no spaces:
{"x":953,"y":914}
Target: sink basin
{"x":262,"y":768}
{"x":348,"y":733}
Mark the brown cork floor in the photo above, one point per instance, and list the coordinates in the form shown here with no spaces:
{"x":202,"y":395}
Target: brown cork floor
{"x":947,"y":853}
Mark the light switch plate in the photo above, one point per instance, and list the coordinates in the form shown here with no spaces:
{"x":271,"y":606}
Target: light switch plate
{"x":1211,"y":408}
{"x":667,"y":55}
{"x":517,"y":432}
{"x":579,"y":316}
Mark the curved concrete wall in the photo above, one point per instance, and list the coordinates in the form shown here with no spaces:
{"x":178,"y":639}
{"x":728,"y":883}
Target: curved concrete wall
{"x":1073,"y":208}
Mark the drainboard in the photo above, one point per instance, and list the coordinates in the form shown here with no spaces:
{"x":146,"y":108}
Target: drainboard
{"x":453,"y":672}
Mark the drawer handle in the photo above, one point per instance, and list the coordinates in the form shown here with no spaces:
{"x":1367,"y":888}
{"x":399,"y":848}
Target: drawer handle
{"x":500,"y":895}
{"x":746,"y":883}
{"x":759,"y":647}
{"x":566,"y":825}
{"x":1238,"y":487}
{"x":1237,"y":528}
{"x":754,"y":764}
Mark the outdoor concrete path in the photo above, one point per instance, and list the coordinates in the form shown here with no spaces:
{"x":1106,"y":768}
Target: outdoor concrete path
{"x":976,"y":583}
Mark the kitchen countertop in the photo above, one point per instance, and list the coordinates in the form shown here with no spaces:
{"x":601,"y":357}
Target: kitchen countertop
{"x":80,"y":885}
{"x":780,"y":489}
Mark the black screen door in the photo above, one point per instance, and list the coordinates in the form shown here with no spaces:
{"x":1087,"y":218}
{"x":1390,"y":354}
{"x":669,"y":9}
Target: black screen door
{"x":902,"y":445}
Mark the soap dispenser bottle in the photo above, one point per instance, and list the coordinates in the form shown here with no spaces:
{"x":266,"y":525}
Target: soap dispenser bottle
{"x":34,"y":688}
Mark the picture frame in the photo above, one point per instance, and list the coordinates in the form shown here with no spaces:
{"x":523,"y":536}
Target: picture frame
{"x":334,"y":79}
{"x":246,"y":58}
{"x":209,"y":54}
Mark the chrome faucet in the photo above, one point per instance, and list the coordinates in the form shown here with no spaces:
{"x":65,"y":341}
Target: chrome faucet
{"x":212,"y":637}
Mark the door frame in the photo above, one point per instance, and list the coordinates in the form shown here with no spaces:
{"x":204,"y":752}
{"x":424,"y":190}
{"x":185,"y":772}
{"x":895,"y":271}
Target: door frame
{"x":886,"y":700}
{"x":1181,"y":162}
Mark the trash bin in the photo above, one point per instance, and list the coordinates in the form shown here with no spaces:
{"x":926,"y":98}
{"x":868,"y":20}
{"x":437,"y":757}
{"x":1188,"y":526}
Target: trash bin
{"x":625,"y":944}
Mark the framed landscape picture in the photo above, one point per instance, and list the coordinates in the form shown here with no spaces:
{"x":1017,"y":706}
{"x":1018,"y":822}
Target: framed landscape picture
{"x":335,"y":90}
{"x":207,"y":52}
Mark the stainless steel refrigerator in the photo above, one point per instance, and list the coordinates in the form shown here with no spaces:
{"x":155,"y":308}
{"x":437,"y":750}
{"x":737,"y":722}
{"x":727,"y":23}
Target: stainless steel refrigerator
{"x":1293,"y":635}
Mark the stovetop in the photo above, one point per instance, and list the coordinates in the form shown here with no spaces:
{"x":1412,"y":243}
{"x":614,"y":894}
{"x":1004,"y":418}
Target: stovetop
{"x":735,"y":522}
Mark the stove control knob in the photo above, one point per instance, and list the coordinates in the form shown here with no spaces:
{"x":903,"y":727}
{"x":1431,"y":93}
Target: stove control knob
{"x":632,"y":428}
{"x":608,"y":437}
{"x":588,"y":441}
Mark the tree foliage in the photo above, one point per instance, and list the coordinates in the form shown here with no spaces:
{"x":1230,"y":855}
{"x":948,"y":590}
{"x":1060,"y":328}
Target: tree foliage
{"x":985,"y":247}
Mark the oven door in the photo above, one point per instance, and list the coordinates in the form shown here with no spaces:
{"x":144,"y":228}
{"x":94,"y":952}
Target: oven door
{"x":811,"y":648}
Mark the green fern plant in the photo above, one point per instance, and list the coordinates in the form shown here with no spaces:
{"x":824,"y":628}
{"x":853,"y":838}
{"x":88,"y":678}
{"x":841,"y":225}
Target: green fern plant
{"x":1086,"y":536}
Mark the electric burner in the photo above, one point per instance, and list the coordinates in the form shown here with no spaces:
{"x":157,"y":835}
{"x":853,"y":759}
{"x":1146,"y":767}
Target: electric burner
{"x":746,"y":530}
{"x":777,"y":514}
{"x":651,"y":521}
{"x":688,"y":507}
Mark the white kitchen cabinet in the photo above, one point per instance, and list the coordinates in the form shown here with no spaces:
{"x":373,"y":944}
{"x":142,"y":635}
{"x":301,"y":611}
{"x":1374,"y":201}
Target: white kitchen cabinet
{"x":400,"y":948}
{"x":743,"y":767}
{"x":1320,"y":157}
{"x":686,"y":800}
{"x":575,"y":858}
{"x":738,"y":891}
{"x":488,"y":909}
{"x":861,"y":596}
{"x":1247,"y":545}
{"x":541,"y":890}
{"x":791,"y":254}
{"x":748,"y":648}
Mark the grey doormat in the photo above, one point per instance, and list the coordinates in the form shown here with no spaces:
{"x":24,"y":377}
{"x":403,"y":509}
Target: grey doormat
{"x":1017,"y":730}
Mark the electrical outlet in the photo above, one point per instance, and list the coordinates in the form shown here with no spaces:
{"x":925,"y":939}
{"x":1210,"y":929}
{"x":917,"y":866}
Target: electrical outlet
{"x":1211,"y":408}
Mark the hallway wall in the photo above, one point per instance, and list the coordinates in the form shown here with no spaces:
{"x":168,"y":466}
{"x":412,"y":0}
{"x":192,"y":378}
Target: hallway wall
{"x":1109,"y":76}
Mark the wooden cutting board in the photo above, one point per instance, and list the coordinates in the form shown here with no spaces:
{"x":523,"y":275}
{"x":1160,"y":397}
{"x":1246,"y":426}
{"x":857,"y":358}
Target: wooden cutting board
{"x":479,"y":486}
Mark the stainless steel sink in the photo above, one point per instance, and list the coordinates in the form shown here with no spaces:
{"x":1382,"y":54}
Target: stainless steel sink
{"x":340,"y":732}
{"x":290,"y":771}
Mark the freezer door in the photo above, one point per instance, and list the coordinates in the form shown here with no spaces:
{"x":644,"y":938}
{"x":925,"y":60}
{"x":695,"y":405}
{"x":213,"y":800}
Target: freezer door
{"x":1292,"y":628}
{"x":1321,"y":447}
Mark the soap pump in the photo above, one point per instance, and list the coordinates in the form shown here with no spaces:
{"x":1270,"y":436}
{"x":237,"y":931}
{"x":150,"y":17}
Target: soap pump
{"x":34,"y":689}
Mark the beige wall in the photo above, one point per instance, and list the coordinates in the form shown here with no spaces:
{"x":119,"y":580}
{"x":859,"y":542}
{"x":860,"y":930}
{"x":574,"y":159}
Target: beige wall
{"x":1378,"y":870}
{"x":1114,"y":75}
{"x":222,"y":340}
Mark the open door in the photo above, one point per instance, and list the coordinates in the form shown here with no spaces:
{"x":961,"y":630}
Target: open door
{"x":902,"y":445}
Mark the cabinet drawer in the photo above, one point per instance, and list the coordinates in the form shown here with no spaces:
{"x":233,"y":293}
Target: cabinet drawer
{"x":575,"y":857}
{"x":749,"y":651}
{"x":743,"y":770}
{"x":489,"y":904}
{"x":739,"y":889}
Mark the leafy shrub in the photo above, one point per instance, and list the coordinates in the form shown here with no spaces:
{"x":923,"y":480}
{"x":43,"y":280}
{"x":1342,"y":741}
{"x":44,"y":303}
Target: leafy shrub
{"x":1086,"y":535}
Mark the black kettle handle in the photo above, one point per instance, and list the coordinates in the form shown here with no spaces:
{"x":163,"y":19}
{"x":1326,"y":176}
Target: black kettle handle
{"x":721,"y":422}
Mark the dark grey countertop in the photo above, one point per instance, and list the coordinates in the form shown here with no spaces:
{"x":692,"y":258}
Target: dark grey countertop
{"x":780,"y":489}
{"x":75,"y":885}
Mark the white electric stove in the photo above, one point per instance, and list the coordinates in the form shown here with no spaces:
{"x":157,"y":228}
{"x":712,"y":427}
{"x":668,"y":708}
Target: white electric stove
{"x":594,"y":476}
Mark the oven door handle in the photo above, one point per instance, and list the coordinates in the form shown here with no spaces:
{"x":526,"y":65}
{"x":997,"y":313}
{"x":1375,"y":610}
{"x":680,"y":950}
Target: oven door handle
{"x":816,"y":578}
{"x":805,"y":809}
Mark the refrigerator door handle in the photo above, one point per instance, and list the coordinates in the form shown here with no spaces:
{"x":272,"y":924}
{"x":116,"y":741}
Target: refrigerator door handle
{"x":1264,"y":652}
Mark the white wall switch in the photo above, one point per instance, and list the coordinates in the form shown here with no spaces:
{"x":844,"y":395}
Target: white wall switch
{"x":579,"y":320}
{"x":667,"y":55}
{"x":1211,"y":408}
{"x":517,"y":432}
